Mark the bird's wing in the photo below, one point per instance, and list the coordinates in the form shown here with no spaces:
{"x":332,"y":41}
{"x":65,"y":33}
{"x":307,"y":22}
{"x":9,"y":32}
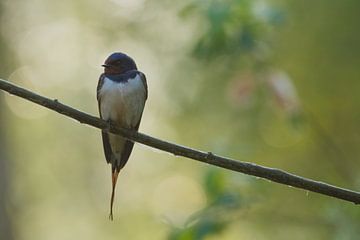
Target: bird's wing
{"x":105,"y":135}
{"x":128,"y":145}
{"x":143,"y":79}
{"x":100,"y":83}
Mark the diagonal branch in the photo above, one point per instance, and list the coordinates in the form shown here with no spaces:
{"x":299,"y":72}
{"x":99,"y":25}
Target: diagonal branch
{"x":272,"y":174}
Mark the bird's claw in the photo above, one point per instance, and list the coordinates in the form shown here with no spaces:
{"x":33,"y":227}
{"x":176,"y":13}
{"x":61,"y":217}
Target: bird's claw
{"x":110,"y":123}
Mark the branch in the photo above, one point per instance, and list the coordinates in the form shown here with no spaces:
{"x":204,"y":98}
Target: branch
{"x":272,"y":174}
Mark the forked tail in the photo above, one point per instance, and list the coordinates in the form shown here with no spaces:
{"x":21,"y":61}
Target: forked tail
{"x":115,"y":174}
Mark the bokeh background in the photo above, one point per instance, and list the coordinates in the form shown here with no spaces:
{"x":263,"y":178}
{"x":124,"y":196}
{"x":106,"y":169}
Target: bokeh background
{"x":273,"y":82}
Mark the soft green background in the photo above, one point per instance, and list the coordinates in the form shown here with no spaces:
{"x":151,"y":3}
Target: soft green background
{"x":272,"y":82}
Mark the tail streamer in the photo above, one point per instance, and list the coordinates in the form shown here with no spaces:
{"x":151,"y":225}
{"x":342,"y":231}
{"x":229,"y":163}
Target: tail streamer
{"x":115,"y":174}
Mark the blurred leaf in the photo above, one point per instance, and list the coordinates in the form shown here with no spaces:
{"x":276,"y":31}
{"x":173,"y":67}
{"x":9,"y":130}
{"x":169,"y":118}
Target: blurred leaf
{"x":214,"y":184}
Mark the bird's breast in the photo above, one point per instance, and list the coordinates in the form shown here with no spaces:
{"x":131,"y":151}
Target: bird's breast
{"x":122,"y":102}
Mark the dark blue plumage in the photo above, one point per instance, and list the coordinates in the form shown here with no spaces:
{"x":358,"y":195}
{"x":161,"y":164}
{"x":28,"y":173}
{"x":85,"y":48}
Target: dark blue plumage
{"x":124,"y":77}
{"x":122,"y":60}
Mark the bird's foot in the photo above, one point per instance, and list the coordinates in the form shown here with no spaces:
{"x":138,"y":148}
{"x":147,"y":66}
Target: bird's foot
{"x":110,"y":124}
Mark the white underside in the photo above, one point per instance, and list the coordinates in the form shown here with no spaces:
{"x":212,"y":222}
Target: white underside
{"x":123,"y":104}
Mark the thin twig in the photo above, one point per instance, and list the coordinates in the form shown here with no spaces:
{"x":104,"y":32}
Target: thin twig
{"x":272,"y":174}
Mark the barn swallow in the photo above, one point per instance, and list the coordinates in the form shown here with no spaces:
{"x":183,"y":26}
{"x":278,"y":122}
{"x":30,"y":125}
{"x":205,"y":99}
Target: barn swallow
{"x":121,"y":94}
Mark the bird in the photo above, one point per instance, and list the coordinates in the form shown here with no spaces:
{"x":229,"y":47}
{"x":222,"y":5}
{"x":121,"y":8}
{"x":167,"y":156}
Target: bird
{"x":121,"y":94}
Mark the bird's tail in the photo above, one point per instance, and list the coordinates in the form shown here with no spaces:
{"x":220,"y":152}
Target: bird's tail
{"x":115,"y":174}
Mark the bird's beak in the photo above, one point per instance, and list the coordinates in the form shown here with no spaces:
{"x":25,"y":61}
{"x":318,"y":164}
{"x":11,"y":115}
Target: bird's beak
{"x":105,"y":65}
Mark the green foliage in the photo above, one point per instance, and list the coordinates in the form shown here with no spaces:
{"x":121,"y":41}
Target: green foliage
{"x":267,"y":78}
{"x":223,"y":206}
{"x":233,"y":28}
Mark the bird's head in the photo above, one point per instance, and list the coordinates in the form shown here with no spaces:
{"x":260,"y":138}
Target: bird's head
{"x":118,"y":63}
